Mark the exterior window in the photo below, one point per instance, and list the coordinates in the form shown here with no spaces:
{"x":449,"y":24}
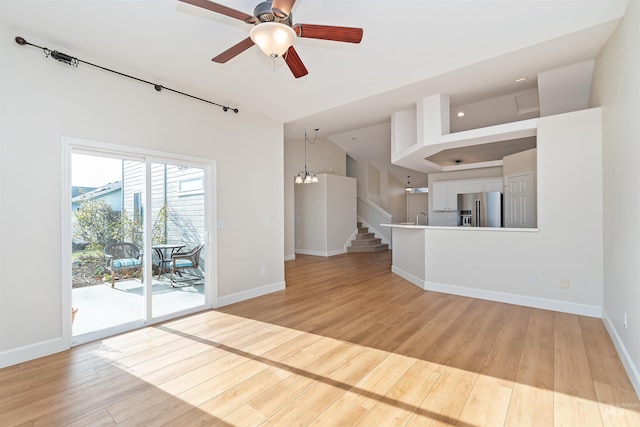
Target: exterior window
{"x":137,"y":205}
{"x":190,"y":186}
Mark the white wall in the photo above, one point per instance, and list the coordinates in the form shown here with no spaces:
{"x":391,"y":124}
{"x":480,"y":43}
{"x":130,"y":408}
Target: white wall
{"x":322,"y":157}
{"x":360,"y":171}
{"x":494,"y":111}
{"x":357,"y":171}
{"x":394,"y":198}
{"x":341,"y":211}
{"x":43,"y":100}
{"x":325,"y":214}
{"x":373,"y":183}
{"x":617,"y":89}
{"x":524,"y":161}
{"x":311,"y":220}
{"x":498,"y":264}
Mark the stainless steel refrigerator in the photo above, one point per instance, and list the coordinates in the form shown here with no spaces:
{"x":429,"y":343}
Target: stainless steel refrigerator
{"x":480,"y":209}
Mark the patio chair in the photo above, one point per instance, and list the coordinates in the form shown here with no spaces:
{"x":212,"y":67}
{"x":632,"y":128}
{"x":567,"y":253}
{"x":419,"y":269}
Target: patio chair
{"x":122,"y":256}
{"x":181,"y":261}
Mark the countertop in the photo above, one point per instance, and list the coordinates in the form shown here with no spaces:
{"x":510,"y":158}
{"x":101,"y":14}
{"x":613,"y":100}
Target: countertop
{"x":436,"y":227}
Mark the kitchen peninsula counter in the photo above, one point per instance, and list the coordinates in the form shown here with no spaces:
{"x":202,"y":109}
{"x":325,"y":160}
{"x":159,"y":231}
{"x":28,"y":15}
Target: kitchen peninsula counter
{"x":443,"y":227}
{"x":409,"y":246}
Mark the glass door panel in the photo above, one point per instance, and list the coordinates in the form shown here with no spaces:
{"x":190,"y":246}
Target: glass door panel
{"x":107,"y":242}
{"x":178,"y":236}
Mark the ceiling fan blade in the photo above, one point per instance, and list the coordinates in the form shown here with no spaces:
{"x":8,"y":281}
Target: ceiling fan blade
{"x":295,"y":63}
{"x":233,"y":51}
{"x":282,"y":8}
{"x":329,"y":32}
{"x":215,"y":7}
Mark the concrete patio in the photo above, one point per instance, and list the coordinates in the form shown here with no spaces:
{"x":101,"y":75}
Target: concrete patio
{"x":101,"y":306}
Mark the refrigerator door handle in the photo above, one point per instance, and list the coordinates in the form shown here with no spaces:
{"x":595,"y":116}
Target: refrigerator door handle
{"x":477,"y":213}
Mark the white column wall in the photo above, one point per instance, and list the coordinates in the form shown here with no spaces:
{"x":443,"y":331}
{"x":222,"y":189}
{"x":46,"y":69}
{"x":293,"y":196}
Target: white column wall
{"x":617,"y":89}
{"x":567,"y":245}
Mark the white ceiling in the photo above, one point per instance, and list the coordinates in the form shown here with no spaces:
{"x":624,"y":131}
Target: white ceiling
{"x":411,"y":49}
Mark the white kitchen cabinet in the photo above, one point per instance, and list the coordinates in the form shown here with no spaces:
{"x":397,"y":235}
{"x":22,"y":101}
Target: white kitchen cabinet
{"x":445,"y":195}
{"x":439,"y":196}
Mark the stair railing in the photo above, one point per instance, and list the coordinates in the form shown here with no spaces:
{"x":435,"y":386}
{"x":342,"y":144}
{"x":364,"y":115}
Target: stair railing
{"x":373,"y":215}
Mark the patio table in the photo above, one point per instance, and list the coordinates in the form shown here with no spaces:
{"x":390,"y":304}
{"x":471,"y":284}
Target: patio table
{"x":165,"y":252}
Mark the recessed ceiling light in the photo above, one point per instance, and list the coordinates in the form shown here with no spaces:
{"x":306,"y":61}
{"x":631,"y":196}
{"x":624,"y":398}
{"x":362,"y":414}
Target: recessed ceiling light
{"x":521,"y":79}
{"x":461,"y":114}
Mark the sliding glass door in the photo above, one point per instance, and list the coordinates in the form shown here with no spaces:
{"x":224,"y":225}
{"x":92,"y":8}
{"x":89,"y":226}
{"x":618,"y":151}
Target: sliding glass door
{"x":178,"y":236}
{"x":139,"y":241}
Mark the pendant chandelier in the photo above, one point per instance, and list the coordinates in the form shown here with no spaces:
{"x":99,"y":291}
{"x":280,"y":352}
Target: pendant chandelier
{"x":306,"y":176}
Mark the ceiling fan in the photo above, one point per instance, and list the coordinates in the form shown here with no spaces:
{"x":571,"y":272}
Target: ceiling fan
{"x":275,"y":33}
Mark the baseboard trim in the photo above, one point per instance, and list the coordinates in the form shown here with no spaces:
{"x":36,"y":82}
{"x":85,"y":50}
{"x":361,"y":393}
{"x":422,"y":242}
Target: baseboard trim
{"x":290,"y":257}
{"x":627,"y":361}
{"x":252,"y":293}
{"x":31,"y":351}
{"x":321,"y":253}
{"x":408,"y":276}
{"x":525,"y":300}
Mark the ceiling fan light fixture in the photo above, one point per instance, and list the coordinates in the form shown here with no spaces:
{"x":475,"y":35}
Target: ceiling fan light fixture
{"x":273,"y":38}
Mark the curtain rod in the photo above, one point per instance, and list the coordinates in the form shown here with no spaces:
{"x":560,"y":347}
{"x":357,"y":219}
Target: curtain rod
{"x":70,"y":60}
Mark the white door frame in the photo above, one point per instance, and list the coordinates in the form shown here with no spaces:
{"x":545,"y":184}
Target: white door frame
{"x":75,"y":145}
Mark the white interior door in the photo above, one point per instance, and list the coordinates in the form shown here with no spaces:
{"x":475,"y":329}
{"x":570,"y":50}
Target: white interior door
{"x":520,"y":201}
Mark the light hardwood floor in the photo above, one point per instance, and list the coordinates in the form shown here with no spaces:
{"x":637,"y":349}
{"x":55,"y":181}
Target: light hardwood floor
{"x":347,"y":343}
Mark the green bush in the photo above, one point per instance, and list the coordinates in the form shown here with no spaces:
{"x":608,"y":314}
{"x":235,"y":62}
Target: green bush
{"x":97,"y":224}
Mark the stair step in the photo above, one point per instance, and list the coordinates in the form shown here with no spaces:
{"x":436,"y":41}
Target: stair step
{"x":376,"y":248}
{"x":365,"y":242}
{"x":361,"y":236}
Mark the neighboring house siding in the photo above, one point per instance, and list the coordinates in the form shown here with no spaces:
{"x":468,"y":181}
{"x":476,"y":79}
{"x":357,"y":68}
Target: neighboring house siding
{"x":185,"y":199}
{"x":132,"y":184}
{"x":180,"y":189}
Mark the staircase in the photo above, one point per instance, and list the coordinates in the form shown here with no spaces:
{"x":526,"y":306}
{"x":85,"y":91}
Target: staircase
{"x":366,"y":242}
